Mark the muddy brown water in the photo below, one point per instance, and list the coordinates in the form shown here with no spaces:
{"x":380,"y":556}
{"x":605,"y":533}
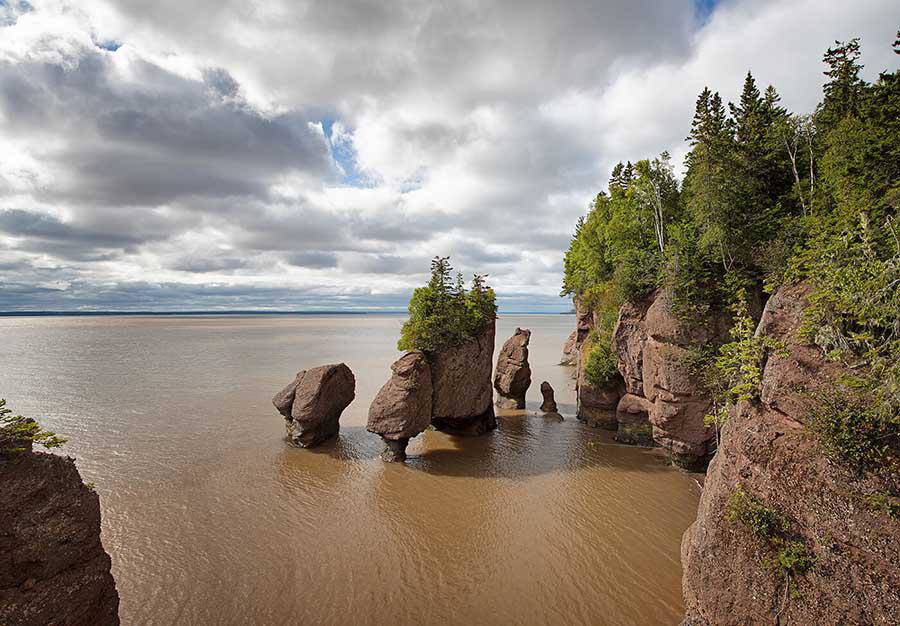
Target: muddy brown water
{"x":210,"y":518}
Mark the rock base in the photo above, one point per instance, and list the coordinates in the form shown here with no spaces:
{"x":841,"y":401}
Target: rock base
{"x":394,"y":450}
{"x":467,"y":427}
{"x":599,"y":418}
{"x":510,"y":404}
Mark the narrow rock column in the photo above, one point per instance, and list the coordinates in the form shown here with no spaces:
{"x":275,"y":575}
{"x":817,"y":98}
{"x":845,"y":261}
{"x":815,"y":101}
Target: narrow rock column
{"x":549,"y":404}
{"x":512,"y":377}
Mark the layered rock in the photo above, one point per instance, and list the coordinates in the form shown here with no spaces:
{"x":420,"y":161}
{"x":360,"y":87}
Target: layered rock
{"x":549,"y":403}
{"x":584,"y":322}
{"x":462,"y":395}
{"x":312,"y":404}
{"x":512,"y":378}
{"x":662,"y":395}
{"x":765,"y":449}
{"x":402,"y":408}
{"x":53,"y":568}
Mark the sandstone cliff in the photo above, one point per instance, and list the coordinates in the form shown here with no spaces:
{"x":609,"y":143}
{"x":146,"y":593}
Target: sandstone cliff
{"x":53,"y":568}
{"x":852,"y":571}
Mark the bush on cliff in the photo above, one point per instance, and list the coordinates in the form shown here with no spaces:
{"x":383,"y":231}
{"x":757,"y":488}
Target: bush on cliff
{"x":444,"y":313}
{"x":16,"y":431}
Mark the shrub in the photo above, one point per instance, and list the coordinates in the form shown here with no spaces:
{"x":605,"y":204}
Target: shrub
{"x":443,"y":313}
{"x":857,"y":425}
{"x":18,"y":430}
{"x":884,"y":503}
{"x":793,"y":559}
{"x":765,"y":523}
{"x":600,"y":369}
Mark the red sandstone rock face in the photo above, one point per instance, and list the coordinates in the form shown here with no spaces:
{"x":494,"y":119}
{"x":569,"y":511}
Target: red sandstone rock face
{"x":650,"y":344}
{"x":53,"y":569}
{"x":766,"y":449}
{"x":595,"y":406}
{"x":402,"y":408}
{"x":512,"y":377}
{"x":462,"y":398}
{"x":584,"y":322}
{"x":312,"y":404}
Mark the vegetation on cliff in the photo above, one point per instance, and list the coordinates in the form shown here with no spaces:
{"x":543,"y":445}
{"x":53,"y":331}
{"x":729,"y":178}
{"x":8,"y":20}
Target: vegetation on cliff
{"x":18,"y":433}
{"x":444,"y":313}
{"x":768,"y":198}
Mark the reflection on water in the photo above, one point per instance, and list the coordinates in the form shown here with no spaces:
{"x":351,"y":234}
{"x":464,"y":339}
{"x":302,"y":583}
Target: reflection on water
{"x":211,"y":519}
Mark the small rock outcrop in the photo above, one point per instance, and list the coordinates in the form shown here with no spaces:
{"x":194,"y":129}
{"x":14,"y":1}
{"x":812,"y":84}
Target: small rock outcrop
{"x":512,"y":378}
{"x":549,"y":403}
{"x":53,"y":568}
{"x":312,"y":404}
{"x":766,"y":451}
{"x":462,"y":400}
{"x":402,"y":408}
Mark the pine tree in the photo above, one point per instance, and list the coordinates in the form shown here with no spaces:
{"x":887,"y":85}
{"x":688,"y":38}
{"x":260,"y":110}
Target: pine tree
{"x":844,"y":86}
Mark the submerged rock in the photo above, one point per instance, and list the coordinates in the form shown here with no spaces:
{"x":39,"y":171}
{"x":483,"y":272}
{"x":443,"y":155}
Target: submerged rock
{"x":512,"y":377}
{"x":402,"y":408}
{"x":462,"y":398}
{"x":312,"y":404}
{"x":767,"y":452}
{"x":53,"y":568}
{"x":549,"y":403}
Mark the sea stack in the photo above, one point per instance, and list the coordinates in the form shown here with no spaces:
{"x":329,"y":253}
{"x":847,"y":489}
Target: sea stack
{"x":53,"y":568}
{"x":312,"y":404}
{"x":402,"y":408}
{"x":512,"y":377}
{"x":549,"y":403}
{"x":462,"y":396}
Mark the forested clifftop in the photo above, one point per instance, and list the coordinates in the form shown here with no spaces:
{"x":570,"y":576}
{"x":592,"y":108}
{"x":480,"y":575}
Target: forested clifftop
{"x":794,"y":215}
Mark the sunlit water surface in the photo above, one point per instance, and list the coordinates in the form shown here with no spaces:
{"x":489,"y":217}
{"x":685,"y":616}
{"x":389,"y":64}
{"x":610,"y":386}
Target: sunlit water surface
{"x":211,"y":518}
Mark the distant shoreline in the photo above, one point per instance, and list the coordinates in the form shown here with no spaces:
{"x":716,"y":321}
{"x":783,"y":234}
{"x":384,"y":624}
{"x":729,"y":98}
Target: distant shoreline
{"x":227,"y":313}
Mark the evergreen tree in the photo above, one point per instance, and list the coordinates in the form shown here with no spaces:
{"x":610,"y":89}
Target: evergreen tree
{"x":844,"y":87}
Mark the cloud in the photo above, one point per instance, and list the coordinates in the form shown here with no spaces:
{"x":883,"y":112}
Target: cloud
{"x":317,"y":155}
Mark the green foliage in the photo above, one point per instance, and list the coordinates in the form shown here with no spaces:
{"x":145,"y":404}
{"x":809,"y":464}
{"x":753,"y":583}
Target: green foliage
{"x":765,"y":523}
{"x":737,"y":369}
{"x":19,"y":430}
{"x":772,"y":530}
{"x":443,"y":313}
{"x":885,"y":504}
{"x":600,"y":369}
{"x":857,"y":425}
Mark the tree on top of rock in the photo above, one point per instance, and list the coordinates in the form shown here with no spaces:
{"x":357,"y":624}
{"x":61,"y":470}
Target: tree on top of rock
{"x":443,"y":313}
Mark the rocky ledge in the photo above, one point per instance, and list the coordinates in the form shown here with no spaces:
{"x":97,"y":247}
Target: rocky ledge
{"x":53,"y":568}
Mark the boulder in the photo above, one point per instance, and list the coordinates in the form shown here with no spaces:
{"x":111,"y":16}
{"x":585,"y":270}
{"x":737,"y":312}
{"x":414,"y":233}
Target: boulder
{"x":402,"y":408}
{"x":549,"y":403}
{"x":53,"y":568}
{"x":512,"y":378}
{"x":766,"y":451}
{"x":462,"y":395}
{"x":312,"y":404}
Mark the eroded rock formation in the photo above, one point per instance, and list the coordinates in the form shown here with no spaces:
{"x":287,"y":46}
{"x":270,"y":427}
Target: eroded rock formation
{"x":584,"y":321}
{"x":462,"y":398}
{"x":662,"y":395}
{"x":512,"y":378}
{"x":312,"y":404}
{"x":729,"y":576}
{"x":549,"y":403}
{"x":402,"y":408}
{"x":53,"y":568}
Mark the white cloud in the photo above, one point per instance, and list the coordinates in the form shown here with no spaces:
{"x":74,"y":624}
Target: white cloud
{"x":194,"y":162}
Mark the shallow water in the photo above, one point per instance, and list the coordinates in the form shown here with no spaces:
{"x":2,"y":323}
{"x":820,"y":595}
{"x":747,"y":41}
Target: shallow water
{"x":211,"y":518}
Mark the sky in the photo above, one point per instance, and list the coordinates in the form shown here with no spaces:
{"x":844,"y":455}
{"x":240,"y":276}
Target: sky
{"x":315,"y":154}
